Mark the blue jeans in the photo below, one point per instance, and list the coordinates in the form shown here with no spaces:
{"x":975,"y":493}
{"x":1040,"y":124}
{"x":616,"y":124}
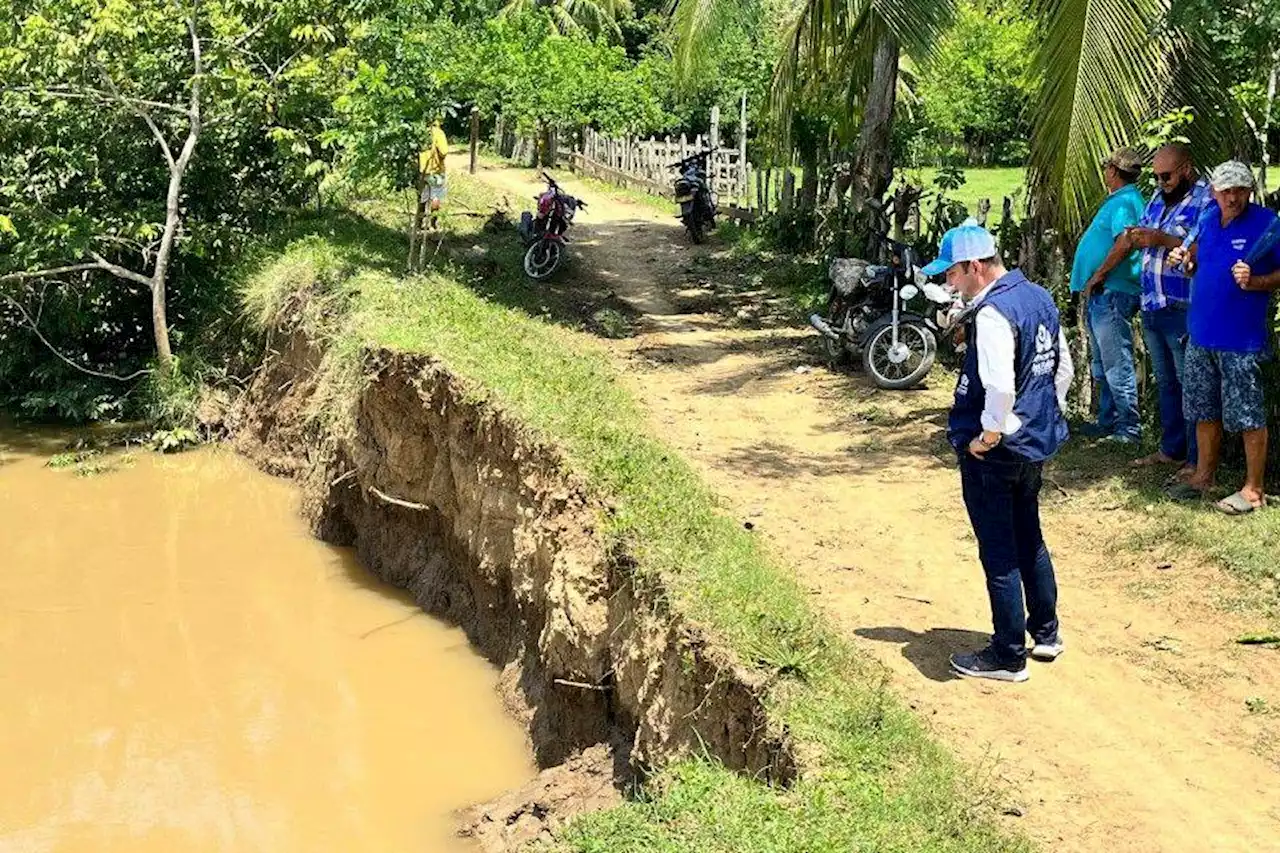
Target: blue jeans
{"x":1003,"y":500}
{"x":1165,"y":333}
{"x":1111,"y":336}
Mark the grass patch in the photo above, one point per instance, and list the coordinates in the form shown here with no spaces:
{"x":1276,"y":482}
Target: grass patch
{"x":877,"y":781}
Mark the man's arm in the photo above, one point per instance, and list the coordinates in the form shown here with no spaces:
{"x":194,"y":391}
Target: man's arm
{"x":996,"y":354}
{"x":1066,"y":371}
{"x":1120,"y":250}
{"x":1152,"y":238}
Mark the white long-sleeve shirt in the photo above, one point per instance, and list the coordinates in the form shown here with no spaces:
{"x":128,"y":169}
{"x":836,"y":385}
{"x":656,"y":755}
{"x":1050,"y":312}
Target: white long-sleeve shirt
{"x":997,"y":353}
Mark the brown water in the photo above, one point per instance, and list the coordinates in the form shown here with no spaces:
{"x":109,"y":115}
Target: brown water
{"x":183,"y":668}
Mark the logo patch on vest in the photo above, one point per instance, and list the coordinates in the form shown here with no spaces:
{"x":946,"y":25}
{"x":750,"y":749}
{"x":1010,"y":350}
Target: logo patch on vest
{"x":962,"y":389}
{"x":1043,"y":364}
{"x":1238,"y":244}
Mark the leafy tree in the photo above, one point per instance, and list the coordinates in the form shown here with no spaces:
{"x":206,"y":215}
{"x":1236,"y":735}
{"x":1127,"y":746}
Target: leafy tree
{"x":136,"y":145}
{"x":978,"y":88}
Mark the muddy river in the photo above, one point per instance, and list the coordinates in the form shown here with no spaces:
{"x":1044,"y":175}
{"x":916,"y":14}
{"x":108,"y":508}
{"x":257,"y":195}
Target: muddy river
{"x":183,"y":668}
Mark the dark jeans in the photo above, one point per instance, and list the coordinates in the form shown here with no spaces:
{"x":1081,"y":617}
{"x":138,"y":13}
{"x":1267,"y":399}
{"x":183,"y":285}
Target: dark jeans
{"x":1003,"y":499}
{"x":1111,"y":316}
{"x":1165,"y":333}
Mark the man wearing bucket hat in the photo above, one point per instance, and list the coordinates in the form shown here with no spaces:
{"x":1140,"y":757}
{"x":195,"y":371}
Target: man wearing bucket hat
{"x":1007,"y":419}
{"x":1235,"y":258}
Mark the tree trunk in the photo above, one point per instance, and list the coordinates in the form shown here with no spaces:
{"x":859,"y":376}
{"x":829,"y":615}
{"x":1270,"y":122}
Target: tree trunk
{"x":873,"y":159}
{"x":809,"y":178}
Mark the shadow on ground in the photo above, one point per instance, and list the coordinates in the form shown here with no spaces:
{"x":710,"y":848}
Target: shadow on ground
{"x":928,"y":651}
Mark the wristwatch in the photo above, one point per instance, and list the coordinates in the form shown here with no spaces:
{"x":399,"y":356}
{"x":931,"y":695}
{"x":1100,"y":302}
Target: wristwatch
{"x":989,"y":445}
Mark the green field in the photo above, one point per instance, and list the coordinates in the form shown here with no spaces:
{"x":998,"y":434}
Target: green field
{"x":980,"y":183}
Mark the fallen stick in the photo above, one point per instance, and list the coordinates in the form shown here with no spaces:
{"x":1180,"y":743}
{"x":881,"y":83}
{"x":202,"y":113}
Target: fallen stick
{"x":580,"y":685}
{"x":397,"y":501}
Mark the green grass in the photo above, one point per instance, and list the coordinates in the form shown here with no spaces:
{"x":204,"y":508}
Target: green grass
{"x":993,"y":183}
{"x":1247,"y":547}
{"x":980,"y":183}
{"x":874,"y":779}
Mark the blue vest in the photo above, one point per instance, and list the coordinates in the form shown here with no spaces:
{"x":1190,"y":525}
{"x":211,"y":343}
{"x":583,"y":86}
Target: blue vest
{"x":1030,"y":311}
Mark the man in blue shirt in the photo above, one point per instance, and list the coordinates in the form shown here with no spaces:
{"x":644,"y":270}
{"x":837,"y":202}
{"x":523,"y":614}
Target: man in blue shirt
{"x":1107,"y":270}
{"x":1236,"y":264}
{"x":1171,"y":216}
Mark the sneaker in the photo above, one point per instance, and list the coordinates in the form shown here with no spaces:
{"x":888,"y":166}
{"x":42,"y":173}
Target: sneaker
{"x":983,"y":664}
{"x":1118,"y":438}
{"x":1092,"y":430}
{"x":1049,"y":650}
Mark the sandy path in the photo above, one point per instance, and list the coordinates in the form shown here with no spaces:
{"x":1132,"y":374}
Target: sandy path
{"x":1136,"y":740}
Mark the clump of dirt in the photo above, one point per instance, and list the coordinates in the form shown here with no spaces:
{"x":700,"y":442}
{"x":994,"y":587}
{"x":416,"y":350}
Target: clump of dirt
{"x":454,"y":501}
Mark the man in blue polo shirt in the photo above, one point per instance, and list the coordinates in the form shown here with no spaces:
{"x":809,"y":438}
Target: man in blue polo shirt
{"x":1107,"y":270}
{"x":1234,"y":271}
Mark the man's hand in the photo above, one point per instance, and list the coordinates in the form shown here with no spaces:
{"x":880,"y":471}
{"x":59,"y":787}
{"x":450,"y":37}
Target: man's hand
{"x":978,"y":449}
{"x":1242,"y":273}
{"x":1092,"y":287}
{"x":1178,"y":257}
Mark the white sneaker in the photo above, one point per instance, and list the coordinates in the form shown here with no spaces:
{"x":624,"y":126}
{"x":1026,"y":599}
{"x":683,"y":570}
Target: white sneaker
{"x":1049,"y":651}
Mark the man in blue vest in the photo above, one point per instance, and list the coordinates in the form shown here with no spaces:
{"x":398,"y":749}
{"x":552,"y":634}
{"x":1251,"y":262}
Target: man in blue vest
{"x":1006,"y":421}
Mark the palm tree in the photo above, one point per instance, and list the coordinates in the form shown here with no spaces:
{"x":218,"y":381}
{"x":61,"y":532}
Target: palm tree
{"x":841,"y":51}
{"x":593,"y":17}
{"x":1107,"y":65}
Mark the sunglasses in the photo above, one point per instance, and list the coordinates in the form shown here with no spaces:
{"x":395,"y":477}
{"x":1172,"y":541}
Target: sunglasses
{"x":1164,"y":177}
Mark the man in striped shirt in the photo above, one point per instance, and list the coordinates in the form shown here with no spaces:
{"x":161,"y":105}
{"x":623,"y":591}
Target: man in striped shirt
{"x":1180,"y":200}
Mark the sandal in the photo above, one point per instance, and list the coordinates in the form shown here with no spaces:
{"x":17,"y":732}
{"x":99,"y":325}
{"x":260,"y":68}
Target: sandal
{"x":1184,"y":492}
{"x":1238,"y":504}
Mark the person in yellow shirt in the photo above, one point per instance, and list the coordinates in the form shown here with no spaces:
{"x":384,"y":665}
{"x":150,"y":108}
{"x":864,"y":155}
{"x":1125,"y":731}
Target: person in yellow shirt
{"x":431,"y":171}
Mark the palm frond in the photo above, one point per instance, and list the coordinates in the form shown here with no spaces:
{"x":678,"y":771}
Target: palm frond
{"x":697,"y":26}
{"x":829,"y":47}
{"x":594,"y":17}
{"x":1106,"y":66}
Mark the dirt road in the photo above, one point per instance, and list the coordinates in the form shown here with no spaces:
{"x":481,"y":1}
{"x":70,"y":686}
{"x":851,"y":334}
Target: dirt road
{"x":1138,"y":739}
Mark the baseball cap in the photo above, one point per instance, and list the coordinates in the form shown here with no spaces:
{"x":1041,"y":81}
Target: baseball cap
{"x":968,"y":241}
{"x":1125,"y":159}
{"x":1230,"y":175}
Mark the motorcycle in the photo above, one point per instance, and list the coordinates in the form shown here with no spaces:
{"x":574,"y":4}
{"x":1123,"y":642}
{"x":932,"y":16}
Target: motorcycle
{"x":543,"y":234}
{"x":693,"y":194}
{"x":890,"y":316}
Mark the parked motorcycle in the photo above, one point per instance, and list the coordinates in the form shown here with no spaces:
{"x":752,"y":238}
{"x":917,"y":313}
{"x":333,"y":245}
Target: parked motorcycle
{"x":890,"y":316}
{"x":693,"y":194}
{"x":543,"y":234}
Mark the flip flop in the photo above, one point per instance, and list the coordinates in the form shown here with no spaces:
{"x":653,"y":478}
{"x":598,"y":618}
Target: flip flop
{"x":1237,"y":504}
{"x":1184,"y":492}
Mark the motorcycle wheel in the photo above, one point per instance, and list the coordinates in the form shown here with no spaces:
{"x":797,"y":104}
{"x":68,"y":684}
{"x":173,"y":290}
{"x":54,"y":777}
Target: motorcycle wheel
{"x":542,"y":259}
{"x":903,"y":367}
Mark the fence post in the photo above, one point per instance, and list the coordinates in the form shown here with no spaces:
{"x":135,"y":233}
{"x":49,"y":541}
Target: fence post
{"x":714,"y":139}
{"x":788,"y":192}
{"x":475,"y":137}
{"x":743,"y":188}
{"x":984,"y":210}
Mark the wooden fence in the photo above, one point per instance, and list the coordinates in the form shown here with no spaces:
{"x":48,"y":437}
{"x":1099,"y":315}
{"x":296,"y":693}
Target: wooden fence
{"x":644,"y":164}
